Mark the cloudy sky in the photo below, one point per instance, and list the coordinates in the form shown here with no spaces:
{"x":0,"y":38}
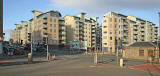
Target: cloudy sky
{"x":17,"y":10}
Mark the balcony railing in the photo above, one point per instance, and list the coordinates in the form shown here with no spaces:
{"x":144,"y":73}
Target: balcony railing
{"x":44,"y":27}
{"x":45,"y":22}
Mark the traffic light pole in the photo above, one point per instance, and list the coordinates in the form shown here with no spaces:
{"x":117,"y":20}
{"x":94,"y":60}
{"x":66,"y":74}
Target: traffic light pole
{"x":47,"y":48}
{"x":31,"y":45}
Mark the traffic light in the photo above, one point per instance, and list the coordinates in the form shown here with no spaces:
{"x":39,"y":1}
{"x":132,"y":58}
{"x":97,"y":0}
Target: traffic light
{"x":29,"y":36}
{"x":44,"y":40}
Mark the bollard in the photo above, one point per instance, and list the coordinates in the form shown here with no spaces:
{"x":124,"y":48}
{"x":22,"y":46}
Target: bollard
{"x":95,"y":58}
{"x":49,"y":56}
{"x":150,"y":60}
{"x":53,"y":57}
{"x":29,"y":57}
{"x":121,"y":62}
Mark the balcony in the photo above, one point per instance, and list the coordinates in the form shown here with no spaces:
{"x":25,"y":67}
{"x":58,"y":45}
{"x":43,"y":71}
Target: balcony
{"x":45,"y":18}
{"x":61,"y":23}
{"x":156,"y":30}
{"x":62,"y":38}
{"x":45,"y":27}
{"x":135,"y":28}
{"x":93,"y":31}
{"x":125,"y":23}
{"x":142,"y":26}
{"x":125,"y":28}
{"x":135,"y":32}
{"x":143,"y":34}
{"x":125,"y":34}
{"x":45,"y":22}
{"x":45,"y":33}
{"x":142,"y":30}
{"x":135,"y":25}
{"x":94,"y":35}
{"x":61,"y":28}
{"x":93,"y":42}
{"x":62,"y":33}
{"x":156,"y":33}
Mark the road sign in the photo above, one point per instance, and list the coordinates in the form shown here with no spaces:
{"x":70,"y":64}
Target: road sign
{"x":102,"y":47}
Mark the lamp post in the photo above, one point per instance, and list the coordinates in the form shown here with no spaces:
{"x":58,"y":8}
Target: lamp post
{"x":47,"y":47}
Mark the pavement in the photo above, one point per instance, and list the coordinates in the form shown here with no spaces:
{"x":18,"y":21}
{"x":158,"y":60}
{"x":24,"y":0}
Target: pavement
{"x":147,"y":67}
{"x":67,"y":64}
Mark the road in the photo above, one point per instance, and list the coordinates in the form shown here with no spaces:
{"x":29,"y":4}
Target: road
{"x":71,"y":65}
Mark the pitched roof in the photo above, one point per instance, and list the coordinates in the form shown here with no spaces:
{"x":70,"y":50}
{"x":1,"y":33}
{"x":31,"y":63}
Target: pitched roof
{"x":144,"y":44}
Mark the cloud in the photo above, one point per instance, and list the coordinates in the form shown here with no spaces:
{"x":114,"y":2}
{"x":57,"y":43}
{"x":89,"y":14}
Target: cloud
{"x":101,"y":6}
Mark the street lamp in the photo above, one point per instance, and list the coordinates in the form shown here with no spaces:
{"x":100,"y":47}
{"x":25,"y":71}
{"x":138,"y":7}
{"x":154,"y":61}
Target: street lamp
{"x":47,"y":47}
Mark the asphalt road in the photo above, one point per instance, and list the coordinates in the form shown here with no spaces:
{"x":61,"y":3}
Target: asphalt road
{"x":71,"y":65}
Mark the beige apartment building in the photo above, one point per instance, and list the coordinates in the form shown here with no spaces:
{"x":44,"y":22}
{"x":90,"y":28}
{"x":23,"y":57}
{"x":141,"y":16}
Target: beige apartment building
{"x":119,"y":30}
{"x":47,"y":25}
{"x":20,"y":34}
{"x":81,"y":28}
{"x":17,"y":34}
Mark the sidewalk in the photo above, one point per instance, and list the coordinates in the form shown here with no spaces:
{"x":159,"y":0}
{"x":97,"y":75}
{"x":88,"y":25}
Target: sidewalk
{"x":147,"y":67}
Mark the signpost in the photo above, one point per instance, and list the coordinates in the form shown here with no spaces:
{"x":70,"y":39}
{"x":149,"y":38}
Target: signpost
{"x":103,"y":49}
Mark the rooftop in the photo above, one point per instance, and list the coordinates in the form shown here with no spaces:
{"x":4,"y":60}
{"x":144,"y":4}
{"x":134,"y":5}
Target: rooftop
{"x":143,"y":44}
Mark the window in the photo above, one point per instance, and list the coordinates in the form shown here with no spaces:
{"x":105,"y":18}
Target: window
{"x":50,"y":19}
{"x":105,"y":32}
{"x":110,"y":19}
{"x":55,"y":20}
{"x":50,"y":30}
{"x":54,"y":25}
{"x":115,"y":32}
{"x":110,"y":32}
{"x":105,"y":43}
{"x":55,"y":30}
{"x":110,"y":38}
{"x":55,"y":36}
{"x":110,"y":25}
{"x":110,"y":43}
{"x":105,"y":20}
{"x":150,"y":53}
{"x":105,"y":26}
{"x":141,"y":52}
{"x":105,"y":37}
{"x":115,"y":25}
{"x":110,"y":49}
{"x":115,"y":20}
{"x":50,"y":25}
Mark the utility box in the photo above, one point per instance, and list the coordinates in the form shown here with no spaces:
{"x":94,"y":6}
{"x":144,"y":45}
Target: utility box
{"x":121,"y":62}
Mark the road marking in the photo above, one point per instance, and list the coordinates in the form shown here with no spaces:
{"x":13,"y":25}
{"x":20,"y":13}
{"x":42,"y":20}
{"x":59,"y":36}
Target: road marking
{"x":5,"y":61}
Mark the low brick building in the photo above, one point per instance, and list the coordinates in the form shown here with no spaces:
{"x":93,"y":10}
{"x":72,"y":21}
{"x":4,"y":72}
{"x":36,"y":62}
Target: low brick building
{"x":141,"y":50}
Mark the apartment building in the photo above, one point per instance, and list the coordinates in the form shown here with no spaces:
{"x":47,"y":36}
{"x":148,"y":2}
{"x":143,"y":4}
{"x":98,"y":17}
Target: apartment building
{"x":17,"y":34}
{"x":81,"y":28}
{"x":24,"y":32}
{"x":20,"y":34}
{"x":119,"y":30}
{"x":99,"y":37}
{"x":47,"y":25}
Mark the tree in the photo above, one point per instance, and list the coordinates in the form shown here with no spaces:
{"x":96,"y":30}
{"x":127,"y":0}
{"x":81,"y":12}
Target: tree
{"x":11,"y":41}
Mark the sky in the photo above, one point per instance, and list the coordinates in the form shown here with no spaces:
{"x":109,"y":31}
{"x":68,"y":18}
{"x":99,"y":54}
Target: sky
{"x":15,"y":11}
